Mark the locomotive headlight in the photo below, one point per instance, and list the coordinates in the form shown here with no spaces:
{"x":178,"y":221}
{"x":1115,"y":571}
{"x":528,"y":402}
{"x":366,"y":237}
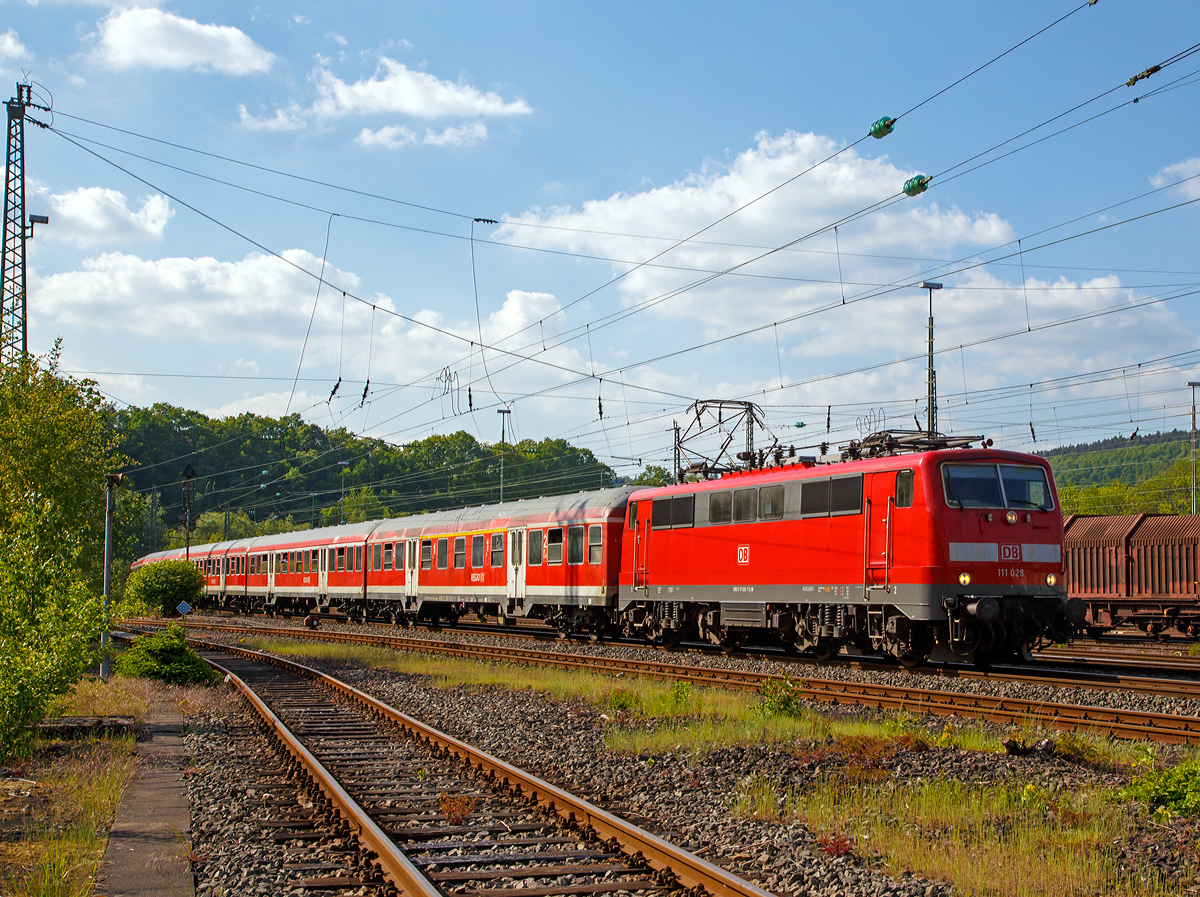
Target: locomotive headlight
{"x":1011,"y":517}
{"x":964,"y":579}
{"x":1051,"y":579}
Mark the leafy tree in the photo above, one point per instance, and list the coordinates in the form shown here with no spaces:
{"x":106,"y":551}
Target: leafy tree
{"x":55,"y":446}
{"x":162,"y":585}
{"x":653,"y":475}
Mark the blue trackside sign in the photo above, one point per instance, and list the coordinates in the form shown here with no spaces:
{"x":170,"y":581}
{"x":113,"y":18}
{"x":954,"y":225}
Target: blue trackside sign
{"x":184,"y":608}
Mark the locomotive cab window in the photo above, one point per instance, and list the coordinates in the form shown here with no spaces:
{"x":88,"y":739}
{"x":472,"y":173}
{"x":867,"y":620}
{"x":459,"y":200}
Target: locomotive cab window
{"x":904,"y":489}
{"x":720,"y":507}
{"x":996,"y":486}
{"x":443,"y":553}
{"x":535,"y":548}
{"x":478,"y":550}
{"x":595,"y":543}
{"x":575,"y":535}
{"x":633,"y":515}
{"x":554,"y":539}
{"x":426,"y":554}
{"x":497,"y":549}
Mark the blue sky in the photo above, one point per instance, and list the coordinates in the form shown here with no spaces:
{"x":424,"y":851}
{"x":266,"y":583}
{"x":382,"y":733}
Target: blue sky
{"x":598,"y":136}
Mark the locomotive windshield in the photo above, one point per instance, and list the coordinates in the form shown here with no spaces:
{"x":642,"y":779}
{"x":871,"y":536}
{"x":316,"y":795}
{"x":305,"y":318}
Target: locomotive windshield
{"x":996,"y":486}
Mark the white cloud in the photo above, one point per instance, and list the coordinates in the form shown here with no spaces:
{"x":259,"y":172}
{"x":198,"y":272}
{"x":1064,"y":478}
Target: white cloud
{"x":395,"y":88}
{"x":390,"y":137}
{"x":397,"y":136}
{"x":338,"y":38}
{"x":1188,"y":168}
{"x":93,"y":216}
{"x":150,"y":38}
{"x":11,"y":46}
{"x":300,"y":19}
{"x":283,"y":120}
{"x":270,"y":404}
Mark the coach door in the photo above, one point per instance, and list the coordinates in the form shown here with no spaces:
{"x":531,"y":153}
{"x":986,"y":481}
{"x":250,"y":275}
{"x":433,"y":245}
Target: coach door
{"x":879,"y":508}
{"x":411,"y":567}
{"x":515,"y":580}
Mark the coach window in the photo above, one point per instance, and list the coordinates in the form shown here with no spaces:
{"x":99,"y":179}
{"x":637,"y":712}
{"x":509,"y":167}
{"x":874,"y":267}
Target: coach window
{"x":387,"y":556}
{"x":515,"y":548}
{"x":358,"y":558}
{"x":314,"y":559}
{"x":426,"y":554}
{"x":904,"y":489}
{"x":554,"y":546}
{"x":341,"y":561}
{"x":770,"y":502}
{"x":478,"y":550}
{"x":497,"y":549}
{"x":745,"y":505}
{"x":575,"y":536}
{"x":443,"y":553}
{"x":535,"y":548}
{"x":460,"y":552}
{"x":845,"y":495}
{"x":720,"y":507}
{"x":595,"y":544}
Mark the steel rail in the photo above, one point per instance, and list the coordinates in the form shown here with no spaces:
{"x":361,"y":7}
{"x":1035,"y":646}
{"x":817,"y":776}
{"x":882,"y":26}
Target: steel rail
{"x":1126,"y":724}
{"x":394,"y":865}
{"x":672,"y":862}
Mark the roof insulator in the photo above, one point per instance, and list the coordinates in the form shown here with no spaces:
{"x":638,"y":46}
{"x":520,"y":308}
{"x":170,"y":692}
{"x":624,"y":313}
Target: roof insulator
{"x":916,"y":186}
{"x":882,"y":128}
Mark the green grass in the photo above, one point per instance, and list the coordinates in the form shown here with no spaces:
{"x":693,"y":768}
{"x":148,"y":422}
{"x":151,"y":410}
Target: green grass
{"x":986,"y":839}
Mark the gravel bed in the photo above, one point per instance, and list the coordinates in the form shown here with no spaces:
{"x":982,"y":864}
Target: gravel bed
{"x":236,"y":781}
{"x":1112,"y":699}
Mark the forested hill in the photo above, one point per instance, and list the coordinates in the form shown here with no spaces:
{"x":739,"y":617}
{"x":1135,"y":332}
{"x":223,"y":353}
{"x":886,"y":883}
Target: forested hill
{"x":286,"y":473}
{"x":1128,"y":461}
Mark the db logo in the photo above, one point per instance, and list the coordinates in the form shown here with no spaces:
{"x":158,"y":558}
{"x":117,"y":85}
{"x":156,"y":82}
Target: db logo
{"x":743,"y":554}
{"x":1010,"y":552}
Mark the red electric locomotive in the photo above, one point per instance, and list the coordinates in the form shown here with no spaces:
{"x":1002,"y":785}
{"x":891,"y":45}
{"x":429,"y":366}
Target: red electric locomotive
{"x":952,"y":550}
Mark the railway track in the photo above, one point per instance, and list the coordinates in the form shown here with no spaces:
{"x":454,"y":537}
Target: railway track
{"x":436,"y":816}
{"x":1117,"y":723}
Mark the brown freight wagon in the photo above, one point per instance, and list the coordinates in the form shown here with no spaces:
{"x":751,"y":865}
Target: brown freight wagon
{"x":1138,"y":569}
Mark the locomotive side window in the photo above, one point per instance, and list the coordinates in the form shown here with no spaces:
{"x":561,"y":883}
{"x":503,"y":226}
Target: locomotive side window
{"x":814,"y":498}
{"x":904,"y":489}
{"x":575,"y":544}
{"x":633,"y":515}
{"x":720,"y":507}
{"x":595,"y":544}
{"x":972,"y":486}
{"x":535,"y":548}
{"x":1026,"y":487}
{"x":478,"y":550}
{"x":554,"y":546}
{"x":745,"y":505}
{"x":845,"y":495}
{"x":426,"y":554}
{"x":673,"y":511}
{"x":443,"y":552}
{"x":497,"y":549}
{"x":460,"y":552}
{"x":770,"y":502}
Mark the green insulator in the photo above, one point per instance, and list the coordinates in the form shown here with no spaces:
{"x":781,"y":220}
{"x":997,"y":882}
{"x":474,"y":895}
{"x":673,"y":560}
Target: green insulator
{"x":883,"y":127}
{"x":916,"y":186}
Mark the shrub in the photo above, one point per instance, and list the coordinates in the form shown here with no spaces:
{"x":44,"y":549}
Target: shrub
{"x":781,"y":698}
{"x":164,"y":584}
{"x":1177,"y":789}
{"x":166,"y":656}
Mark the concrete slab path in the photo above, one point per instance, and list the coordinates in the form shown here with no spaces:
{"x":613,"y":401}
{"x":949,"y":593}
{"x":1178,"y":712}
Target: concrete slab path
{"x":148,"y":844}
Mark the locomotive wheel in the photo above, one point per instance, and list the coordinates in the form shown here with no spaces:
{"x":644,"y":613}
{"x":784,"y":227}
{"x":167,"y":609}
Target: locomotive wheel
{"x":911,"y":661}
{"x":823,"y":654}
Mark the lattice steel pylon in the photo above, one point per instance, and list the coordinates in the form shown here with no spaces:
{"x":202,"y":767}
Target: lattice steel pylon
{"x":14,"y":336}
